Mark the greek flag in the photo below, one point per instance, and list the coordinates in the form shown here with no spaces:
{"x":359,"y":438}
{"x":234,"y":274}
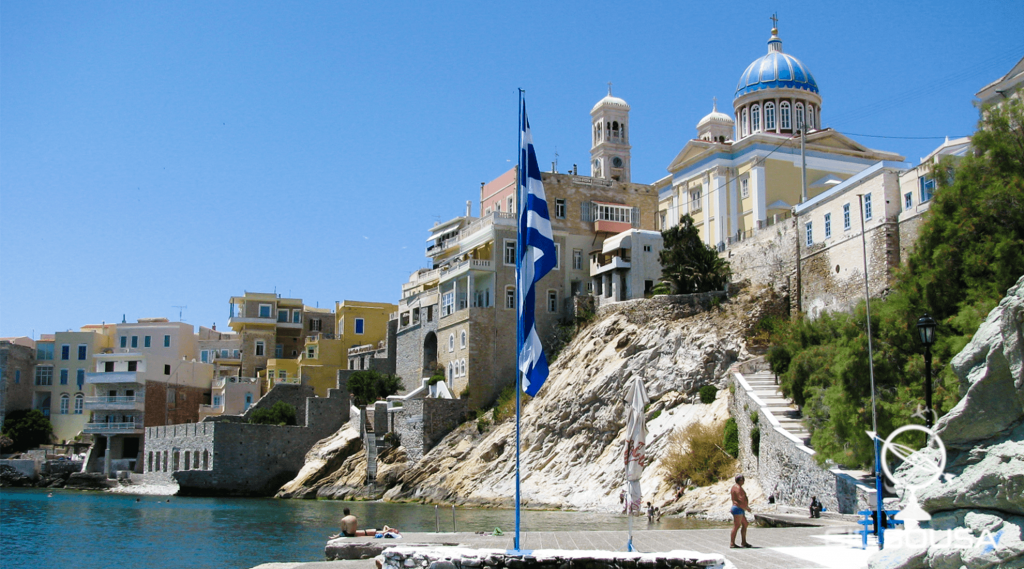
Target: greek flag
{"x":536,"y":257}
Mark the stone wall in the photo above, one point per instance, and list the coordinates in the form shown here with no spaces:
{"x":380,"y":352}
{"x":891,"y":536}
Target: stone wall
{"x":234,"y":458}
{"x":767,"y":257}
{"x":674,"y":306}
{"x":170,"y":404}
{"x":16,"y":361}
{"x":422,"y":423}
{"x":439,"y":557}
{"x":409,"y":354}
{"x":785,"y":466}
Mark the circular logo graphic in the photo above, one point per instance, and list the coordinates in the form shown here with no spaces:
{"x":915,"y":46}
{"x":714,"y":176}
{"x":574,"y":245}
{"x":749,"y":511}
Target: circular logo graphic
{"x":932,"y":463}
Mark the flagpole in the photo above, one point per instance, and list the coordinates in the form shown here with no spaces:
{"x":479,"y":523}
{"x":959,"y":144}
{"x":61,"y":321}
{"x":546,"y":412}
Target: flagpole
{"x":519,"y":294}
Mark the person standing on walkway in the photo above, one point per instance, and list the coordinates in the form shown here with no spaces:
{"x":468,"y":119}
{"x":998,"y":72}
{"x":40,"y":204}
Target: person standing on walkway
{"x":739,"y":509}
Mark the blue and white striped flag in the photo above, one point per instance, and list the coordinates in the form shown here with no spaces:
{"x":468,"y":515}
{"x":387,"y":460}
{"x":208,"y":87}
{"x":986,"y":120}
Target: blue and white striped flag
{"x":536,"y":257}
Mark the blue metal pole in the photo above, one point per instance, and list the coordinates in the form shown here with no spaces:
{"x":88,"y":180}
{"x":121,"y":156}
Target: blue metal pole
{"x":878,"y":493}
{"x":519,"y":294}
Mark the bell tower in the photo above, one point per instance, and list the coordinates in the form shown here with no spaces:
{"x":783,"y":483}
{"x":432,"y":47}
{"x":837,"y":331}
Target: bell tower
{"x":609,"y":150}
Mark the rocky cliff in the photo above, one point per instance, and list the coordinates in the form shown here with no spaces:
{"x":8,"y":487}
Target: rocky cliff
{"x":983,"y":492}
{"x":572,"y":431}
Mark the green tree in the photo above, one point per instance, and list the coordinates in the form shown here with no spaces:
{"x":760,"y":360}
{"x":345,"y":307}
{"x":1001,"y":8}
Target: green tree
{"x":688,"y":264}
{"x":27,"y":429}
{"x":368,"y":386}
{"x":280,"y":413}
{"x":967,"y":255}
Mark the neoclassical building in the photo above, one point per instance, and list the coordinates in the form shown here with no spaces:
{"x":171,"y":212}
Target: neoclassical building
{"x":745,"y":172}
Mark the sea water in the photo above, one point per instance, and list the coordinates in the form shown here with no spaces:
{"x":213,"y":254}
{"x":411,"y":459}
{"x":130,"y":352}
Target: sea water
{"x":99,"y":530}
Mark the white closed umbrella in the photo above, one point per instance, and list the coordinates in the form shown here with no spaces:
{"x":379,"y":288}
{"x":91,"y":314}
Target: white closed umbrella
{"x":636,"y":449}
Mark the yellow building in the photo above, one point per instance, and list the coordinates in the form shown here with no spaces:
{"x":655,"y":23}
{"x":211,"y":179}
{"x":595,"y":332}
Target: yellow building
{"x":735,"y":179}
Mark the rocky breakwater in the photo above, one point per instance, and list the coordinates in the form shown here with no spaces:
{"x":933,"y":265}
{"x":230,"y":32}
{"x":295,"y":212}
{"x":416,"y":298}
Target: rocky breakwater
{"x":572,"y":432}
{"x":977,"y":512}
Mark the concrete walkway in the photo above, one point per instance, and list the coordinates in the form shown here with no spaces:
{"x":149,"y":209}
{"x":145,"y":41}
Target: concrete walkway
{"x":775,"y":548}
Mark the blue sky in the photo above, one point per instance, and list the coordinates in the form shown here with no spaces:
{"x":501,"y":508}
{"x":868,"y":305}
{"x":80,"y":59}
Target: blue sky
{"x":155,"y":154}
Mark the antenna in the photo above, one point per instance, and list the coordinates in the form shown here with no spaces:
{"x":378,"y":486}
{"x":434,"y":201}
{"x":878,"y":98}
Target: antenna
{"x":180,"y":308}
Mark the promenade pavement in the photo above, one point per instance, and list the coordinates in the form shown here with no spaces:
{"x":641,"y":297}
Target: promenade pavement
{"x":775,"y":548}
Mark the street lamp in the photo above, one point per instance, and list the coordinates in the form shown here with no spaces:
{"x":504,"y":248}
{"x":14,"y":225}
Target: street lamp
{"x":926,"y":329}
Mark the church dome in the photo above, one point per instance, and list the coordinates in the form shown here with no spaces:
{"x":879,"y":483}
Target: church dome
{"x":716,"y":117}
{"x":776,"y":70}
{"x":611,"y":101}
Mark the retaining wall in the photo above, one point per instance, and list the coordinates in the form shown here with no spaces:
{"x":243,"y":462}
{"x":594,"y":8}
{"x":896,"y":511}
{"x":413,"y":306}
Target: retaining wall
{"x":422,"y":423}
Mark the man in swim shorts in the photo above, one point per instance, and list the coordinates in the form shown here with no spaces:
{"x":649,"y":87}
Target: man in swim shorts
{"x":739,"y":509}
{"x":350,"y":527}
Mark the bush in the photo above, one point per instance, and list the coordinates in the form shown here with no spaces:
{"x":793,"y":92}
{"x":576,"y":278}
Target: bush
{"x":280,"y":413}
{"x":27,"y":429}
{"x":731,"y":438}
{"x":708,"y":394}
{"x":695,"y":453}
{"x":482,"y":424}
{"x":392,"y":439}
{"x":368,"y":386}
{"x":755,"y":441}
{"x":754,"y":417}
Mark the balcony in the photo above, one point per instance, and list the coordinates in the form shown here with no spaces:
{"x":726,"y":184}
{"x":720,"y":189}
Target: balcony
{"x":104,"y":377}
{"x":604,"y":225}
{"x":456,"y":269}
{"x":120,"y":403}
{"x":596,"y":267}
{"x":211,"y":410}
{"x":235,"y":322}
{"x":131,"y":428}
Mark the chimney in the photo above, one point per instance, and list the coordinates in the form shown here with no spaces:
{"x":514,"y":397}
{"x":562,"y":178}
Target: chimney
{"x":469,"y":207}
{"x":574,"y":172}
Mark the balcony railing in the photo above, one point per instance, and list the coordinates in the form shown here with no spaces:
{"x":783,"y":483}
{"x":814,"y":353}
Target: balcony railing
{"x":112,"y":428}
{"x":116,"y":399}
{"x":102,"y":377}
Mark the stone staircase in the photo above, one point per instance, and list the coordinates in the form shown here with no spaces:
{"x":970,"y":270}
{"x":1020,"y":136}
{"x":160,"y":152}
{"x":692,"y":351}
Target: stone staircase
{"x":788,"y":414}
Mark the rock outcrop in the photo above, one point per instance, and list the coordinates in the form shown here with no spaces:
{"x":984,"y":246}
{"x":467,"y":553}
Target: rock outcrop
{"x":984,"y":436}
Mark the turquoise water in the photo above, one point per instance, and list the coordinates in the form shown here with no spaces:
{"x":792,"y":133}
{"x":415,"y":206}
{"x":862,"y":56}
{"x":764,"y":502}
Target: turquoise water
{"x":99,"y":530}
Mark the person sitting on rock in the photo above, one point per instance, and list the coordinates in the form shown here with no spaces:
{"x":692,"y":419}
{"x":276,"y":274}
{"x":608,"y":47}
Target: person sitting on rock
{"x":350,"y":527}
{"x":815,"y":507}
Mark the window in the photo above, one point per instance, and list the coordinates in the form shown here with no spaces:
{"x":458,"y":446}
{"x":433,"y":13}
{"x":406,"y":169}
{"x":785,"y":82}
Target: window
{"x":44,"y":375}
{"x":755,"y":118}
{"x":927,"y":188}
{"x":577,"y":259}
{"x":235,"y":354}
{"x":558,"y":256}
{"x":743,"y":122}
{"x":282,"y":316}
{"x":810,"y":235}
{"x":509,"y":201}
{"x":510,"y":297}
{"x":846,"y":217}
{"x":133,"y":365}
{"x":462,"y":340}
{"x":108,"y":367}
{"x":224,"y":353}
{"x":63,"y":377}
{"x":64,"y":403}
{"x":204,"y":356}
{"x":622,"y":213}
{"x":17,"y":376}
{"x":167,"y":340}
{"x":745,"y":188}
{"x":135,"y":341}
{"x":552,"y":301}
{"x":799,"y":112}
{"x":867,"y":206}
{"x":359,"y":323}
{"x":124,"y":341}
{"x":79,"y":403}
{"x":451,"y":372}
{"x":248,"y":401}
{"x":810,"y":117}
{"x":908,"y":200}
{"x":647,"y":248}
{"x":65,"y":352}
{"x":510,"y":252}
{"x":296,"y":316}
{"x":769,"y":116}
{"x":447,"y":303}
{"x":260,"y":348}
{"x":315,"y":325}
{"x":82,"y":351}
{"x":560,"y":208}
{"x":311,"y":352}
{"x":462,"y":366}
{"x":146,"y":341}
{"x":451,"y":342}
{"x":828,"y":225}
{"x":695,"y":200}
{"x":282,"y":374}
{"x":44,"y":351}
{"x":80,"y":377}
{"x":167,"y":369}
{"x":279,"y":351}
{"x":270,"y":374}
{"x":265,"y":310}
{"x":784,"y":115}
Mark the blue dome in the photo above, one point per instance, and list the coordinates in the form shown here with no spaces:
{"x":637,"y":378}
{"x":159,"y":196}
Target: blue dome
{"x":776,"y":70}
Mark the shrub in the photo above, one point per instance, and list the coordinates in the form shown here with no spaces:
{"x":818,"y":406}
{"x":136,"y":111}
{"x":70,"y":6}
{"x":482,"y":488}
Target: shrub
{"x":482,"y":424}
{"x":754,"y":417}
{"x":280,"y":413}
{"x":732,"y":388}
{"x":708,"y":394}
{"x":755,"y":441}
{"x":731,"y":438}
{"x":695,"y":453}
{"x":27,"y":429}
{"x":368,"y":386}
{"x":392,"y":439}
{"x":655,"y":415}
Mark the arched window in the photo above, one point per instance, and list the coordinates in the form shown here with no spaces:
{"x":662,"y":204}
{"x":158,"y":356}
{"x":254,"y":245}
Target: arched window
{"x":79,"y":403}
{"x":65,"y":402}
{"x":451,"y":371}
{"x":810,"y":117}
{"x":462,"y":338}
{"x":784,"y":115}
{"x":188,"y":460}
{"x":769,"y":116}
{"x":195,"y":460}
{"x":451,"y":342}
{"x":799,"y":109}
{"x":206,"y":460}
{"x":463,"y":368}
{"x":743,"y":122}
{"x":149,"y":462}
{"x":158,"y":461}
{"x":755,"y":118}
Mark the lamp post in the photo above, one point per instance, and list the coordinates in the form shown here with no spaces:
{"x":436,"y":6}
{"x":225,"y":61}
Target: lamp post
{"x":926,"y":329}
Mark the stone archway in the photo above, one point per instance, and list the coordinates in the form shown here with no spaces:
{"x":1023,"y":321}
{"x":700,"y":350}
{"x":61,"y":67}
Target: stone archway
{"x":429,"y":354}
